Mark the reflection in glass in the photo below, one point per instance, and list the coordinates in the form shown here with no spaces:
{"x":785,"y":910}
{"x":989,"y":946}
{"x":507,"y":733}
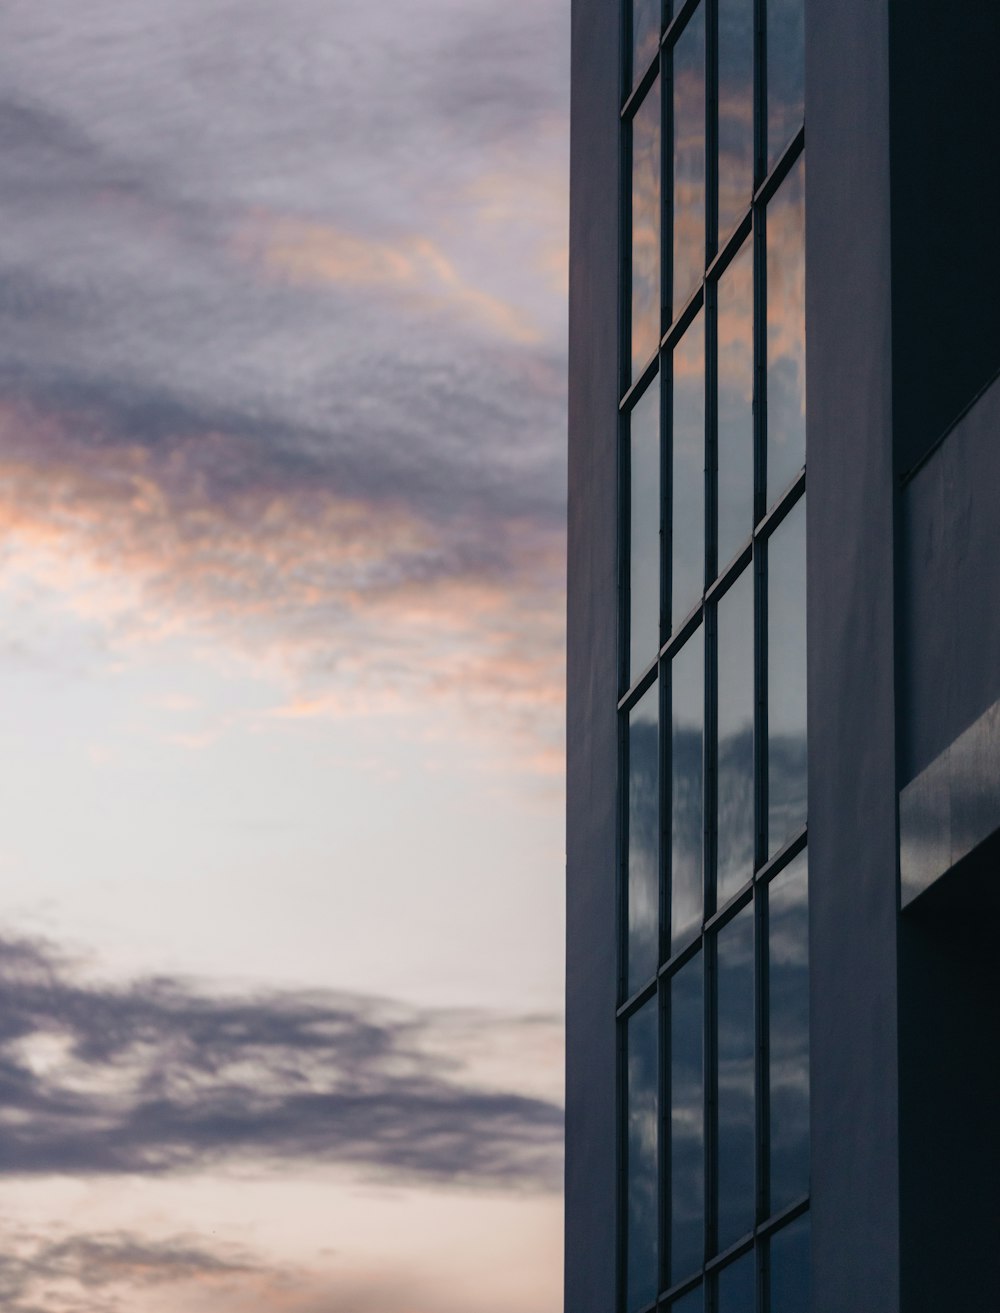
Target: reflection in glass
{"x":734,"y":720}
{"x":687,"y":810}
{"x":692,"y":1302}
{"x":688,"y":494}
{"x":645,"y":35}
{"x":786,"y":333}
{"x":788,"y":1010}
{"x":644,"y":529}
{"x":643,"y":848}
{"x":646,"y":229}
{"x":735,"y":111}
{"x":687,"y":1123}
{"x":786,"y":678}
{"x":785,"y":74}
{"x":735,"y":383}
{"x":736,"y":1291}
{"x":642,"y":1166}
{"x":790,"y":1291}
{"x":736,"y":1043}
{"x":689,"y":160}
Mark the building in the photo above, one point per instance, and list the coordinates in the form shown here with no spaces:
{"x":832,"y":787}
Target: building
{"x":782,"y":973}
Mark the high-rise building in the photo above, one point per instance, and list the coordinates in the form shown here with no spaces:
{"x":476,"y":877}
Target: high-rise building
{"x":783,"y":992}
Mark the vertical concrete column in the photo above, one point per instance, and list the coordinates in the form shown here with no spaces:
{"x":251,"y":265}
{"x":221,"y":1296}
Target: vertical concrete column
{"x":852,"y":817}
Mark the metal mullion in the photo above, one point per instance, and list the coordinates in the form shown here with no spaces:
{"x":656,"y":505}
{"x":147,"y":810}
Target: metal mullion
{"x":677,"y":24}
{"x":781,"y":168}
{"x":711,"y":1093}
{"x":724,"y":256}
{"x":711,"y":129}
{"x":645,"y":376}
{"x":711,"y":432}
{"x":681,"y":321}
{"x":680,"y":959}
{"x":636,"y":1000}
{"x":643,"y":683}
{"x":665,"y":804}
{"x":762,"y":1082}
{"x":730,"y":909}
{"x":760,"y":736}
{"x":638,"y":93}
{"x":624,"y":552}
{"x":783,"y":857}
{"x":782,"y":507}
{"x":760,"y":92}
{"x":662,"y":1137}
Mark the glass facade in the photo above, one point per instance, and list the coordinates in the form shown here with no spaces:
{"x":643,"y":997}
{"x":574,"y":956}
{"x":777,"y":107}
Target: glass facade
{"x":713,"y":1005}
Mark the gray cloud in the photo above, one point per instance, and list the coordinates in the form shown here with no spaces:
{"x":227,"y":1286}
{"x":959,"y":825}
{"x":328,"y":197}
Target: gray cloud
{"x":88,"y":1272}
{"x":161,"y":1077}
{"x":274,"y":261}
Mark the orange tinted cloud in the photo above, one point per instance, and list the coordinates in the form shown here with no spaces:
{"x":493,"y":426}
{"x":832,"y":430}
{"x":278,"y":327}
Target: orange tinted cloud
{"x":414,"y":266}
{"x":358,"y":606}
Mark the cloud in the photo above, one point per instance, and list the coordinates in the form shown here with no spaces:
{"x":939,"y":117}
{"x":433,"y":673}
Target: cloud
{"x":120,"y":1271}
{"x":160,"y":1077}
{"x":282,"y":336}
{"x":86,"y":1272}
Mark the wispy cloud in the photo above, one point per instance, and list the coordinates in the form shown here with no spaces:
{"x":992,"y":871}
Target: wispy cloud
{"x":162,"y":1077}
{"x":282,"y":357}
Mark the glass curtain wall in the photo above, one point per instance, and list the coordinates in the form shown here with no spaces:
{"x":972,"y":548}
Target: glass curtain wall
{"x":713,"y":983}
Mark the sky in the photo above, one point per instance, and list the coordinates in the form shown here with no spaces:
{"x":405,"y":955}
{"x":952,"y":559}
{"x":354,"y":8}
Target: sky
{"x":282,"y":508}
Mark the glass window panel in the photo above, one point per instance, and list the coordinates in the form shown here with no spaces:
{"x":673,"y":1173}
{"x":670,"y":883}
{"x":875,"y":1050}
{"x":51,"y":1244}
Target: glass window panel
{"x":735,"y":1100}
{"x":687,"y":806}
{"x":790,"y":1292}
{"x":646,"y":229}
{"x":786,"y":333}
{"x":644,"y":529}
{"x":735,"y":382}
{"x":736,"y":42}
{"x":645,"y":35}
{"x":688,"y":484}
{"x":643,"y":834}
{"x":788,"y":1010}
{"x":785,"y":73}
{"x":736,"y":1291}
{"x":734,"y":719}
{"x":786,"y":678}
{"x":692,"y":1302}
{"x":643,"y":1161}
{"x":689,"y":160}
{"x":687,"y":1122}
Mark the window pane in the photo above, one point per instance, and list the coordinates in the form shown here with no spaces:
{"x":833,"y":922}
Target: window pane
{"x":688,"y":494}
{"x":687,"y":1122}
{"x":645,"y":35}
{"x":643,"y":1118}
{"x":786,"y":333}
{"x":786,"y":678}
{"x":736,"y":1044}
{"x":689,"y":160}
{"x":687,"y":810}
{"x":646,"y":229}
{"x":790,"y":1291}
{"x":735,"y":111}
{"x":788,"y":1008}
{"x":734,"y":768}
{"x":643,"y":846}
{"x":644,"y":529}
{"x":785,"y":73}
{"x":692,"y":1302}
{"x":735,"y":382}
{"x":737,"y":1286}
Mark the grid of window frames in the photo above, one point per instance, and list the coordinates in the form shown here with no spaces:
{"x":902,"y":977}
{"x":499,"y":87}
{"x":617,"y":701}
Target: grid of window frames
{"x":713,"y":1015}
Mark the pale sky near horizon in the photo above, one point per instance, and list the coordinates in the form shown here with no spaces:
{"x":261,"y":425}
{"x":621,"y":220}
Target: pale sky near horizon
{"x":282,"y":486}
